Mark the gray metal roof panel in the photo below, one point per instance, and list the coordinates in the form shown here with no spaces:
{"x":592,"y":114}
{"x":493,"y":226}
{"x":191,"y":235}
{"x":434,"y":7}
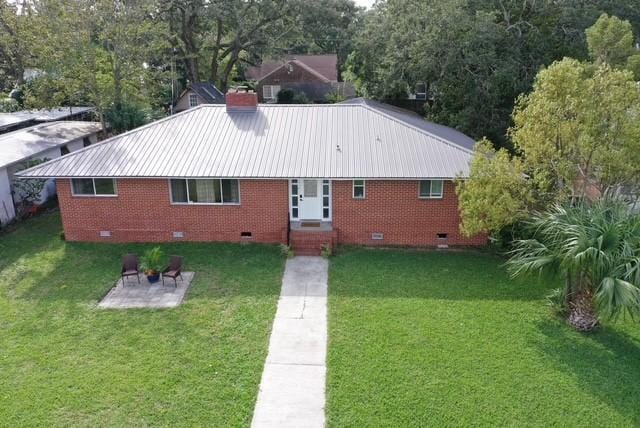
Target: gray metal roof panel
{"x":40,"y":115}
{"x":24,"y":143}
{"x":277,"y":141}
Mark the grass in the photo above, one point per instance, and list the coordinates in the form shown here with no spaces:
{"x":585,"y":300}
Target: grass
{"x":63,"y":362}
{"x":435,"y":338}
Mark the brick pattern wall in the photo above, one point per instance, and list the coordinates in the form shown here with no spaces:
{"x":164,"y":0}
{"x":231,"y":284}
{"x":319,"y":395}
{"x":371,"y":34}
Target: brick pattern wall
{"x":394,"y":209}
{"x":142,"y":212}
{"x":283,"y":77}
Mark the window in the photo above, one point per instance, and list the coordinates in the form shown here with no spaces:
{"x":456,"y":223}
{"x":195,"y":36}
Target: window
{"x":431,"y":189}
{"x":193,"y":100}
{"x":205,"y":191}
{"x":294,"y":198}
{"x":358,"y":189}
{"x":93,"y":187}
{"x":326,"y":197}
{"x":270,"y":92}
{"x":64,"y":150}
{"x":86,"y":142}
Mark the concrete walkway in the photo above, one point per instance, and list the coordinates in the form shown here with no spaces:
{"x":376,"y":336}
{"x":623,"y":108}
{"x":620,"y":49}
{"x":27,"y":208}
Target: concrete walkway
{"x":292,"y":390}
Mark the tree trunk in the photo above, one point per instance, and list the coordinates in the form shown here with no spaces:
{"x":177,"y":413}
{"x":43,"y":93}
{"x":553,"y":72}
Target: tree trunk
{"x":582,"y":311}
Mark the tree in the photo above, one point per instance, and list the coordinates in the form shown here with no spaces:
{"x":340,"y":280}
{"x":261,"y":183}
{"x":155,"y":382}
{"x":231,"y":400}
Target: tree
{"x":475,"y":56}
{"x":19,"y":28}
{"x":610,"y":40}
{"x":597,"y":251}
{"x":578,"y":130}
{"x":497,"y":192}
{"x":576,"y":136}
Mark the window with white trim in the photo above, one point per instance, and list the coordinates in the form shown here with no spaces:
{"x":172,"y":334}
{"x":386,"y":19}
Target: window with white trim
{"x":205,"y":191}
{"x":431,"y":189}
{"x":193,"y":100}
{"x":359,"y":189}
{"x":270,"y":92}
{"x":93,"y":187}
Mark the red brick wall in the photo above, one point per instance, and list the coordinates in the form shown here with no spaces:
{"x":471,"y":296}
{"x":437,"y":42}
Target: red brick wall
{"x":282,"y":77}
{"x":142,"y":212}
{"x":393,"y":208}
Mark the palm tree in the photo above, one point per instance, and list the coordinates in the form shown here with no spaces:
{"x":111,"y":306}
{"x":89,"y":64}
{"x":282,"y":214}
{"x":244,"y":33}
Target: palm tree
{"x":596,"y":249}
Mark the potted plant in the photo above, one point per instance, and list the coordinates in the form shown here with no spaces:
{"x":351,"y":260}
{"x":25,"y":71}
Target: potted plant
{"x":151,"y":264}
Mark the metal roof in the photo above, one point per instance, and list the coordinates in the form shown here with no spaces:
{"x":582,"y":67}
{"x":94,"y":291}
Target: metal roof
{"x":40,"y":115}
{"x":276,"y":141}
{"x":412,"y":118}
{"x":22,"y":144}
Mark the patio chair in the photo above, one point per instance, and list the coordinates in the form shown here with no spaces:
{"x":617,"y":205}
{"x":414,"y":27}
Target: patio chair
{"x":130,"y":267}
{"x":174,"y":270}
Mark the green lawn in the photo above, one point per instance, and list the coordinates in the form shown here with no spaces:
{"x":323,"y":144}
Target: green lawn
{"x":433,"y":339}
{"x":63,"y":362}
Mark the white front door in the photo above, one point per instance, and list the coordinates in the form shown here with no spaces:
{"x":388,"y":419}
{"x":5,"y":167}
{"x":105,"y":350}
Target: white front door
{"x":310,"y":199}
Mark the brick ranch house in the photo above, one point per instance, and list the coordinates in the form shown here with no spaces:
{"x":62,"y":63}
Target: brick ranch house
{"x":354,"y":173}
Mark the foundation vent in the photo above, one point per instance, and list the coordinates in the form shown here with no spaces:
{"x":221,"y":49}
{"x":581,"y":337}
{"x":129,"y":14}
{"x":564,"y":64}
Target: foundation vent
{"x":377,"y":236}
{"x":245,"y":235}
{"x":105,"y":234}
{"x":178,"y":235}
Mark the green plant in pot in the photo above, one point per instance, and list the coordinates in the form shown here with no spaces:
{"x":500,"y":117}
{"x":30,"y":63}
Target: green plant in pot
{"x":151,"y":264}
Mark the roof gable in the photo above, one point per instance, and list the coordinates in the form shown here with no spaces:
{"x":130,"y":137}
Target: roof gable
{"x":207,"y":92}
{"x":278,"y":141}
{"x":325,"y":66}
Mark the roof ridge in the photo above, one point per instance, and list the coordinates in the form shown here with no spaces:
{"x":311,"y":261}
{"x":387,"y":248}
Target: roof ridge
{"x":430,"y":134}
{"x":110,"y":139}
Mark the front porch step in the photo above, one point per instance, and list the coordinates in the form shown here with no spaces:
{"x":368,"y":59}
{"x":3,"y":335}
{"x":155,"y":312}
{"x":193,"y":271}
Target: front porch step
{"x":310,"y":243}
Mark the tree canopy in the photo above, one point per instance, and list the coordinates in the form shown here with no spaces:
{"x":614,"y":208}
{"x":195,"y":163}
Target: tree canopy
{"x":576,"y":135}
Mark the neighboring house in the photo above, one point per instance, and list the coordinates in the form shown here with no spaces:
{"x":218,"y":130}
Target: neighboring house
{"x":309,"y":175}
{"x":44,"y":141}
{"x":197,"y":94}
{"x":314,"y":75}
{"x":22,"y":119}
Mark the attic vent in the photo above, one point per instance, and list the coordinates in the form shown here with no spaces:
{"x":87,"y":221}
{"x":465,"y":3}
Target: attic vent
{"x":178,"y":235}
{"x":377,"y":236}
{"x":105,"y":234}
{"x":245,"y":235}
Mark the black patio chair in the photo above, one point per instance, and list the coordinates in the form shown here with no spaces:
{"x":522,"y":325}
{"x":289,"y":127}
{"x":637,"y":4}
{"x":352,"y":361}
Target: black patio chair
{"x":174,"y":270}
{"x":130,"y":267}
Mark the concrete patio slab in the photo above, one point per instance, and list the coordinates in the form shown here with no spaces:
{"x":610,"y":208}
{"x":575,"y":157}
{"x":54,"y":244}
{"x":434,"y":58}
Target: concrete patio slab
{"x":292,"y":389}
{"x":145,"y":295}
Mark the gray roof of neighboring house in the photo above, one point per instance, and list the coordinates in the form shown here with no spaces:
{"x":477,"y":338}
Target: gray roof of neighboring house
{"x":208,"y":92}
{"x":324,"y":65}
{"x":412,"y":118}
{"x":338,"y":141}
{"x":40,"y":115}
{"x":20,"y":145}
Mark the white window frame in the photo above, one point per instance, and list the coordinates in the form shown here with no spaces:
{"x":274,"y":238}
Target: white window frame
{"x":193,"y":96}
{"x":271,"y":95}
{"x":95,"y":195}
{"x":431,"y":195}
{"x":364,"y":189}
{"x":204,"y":203}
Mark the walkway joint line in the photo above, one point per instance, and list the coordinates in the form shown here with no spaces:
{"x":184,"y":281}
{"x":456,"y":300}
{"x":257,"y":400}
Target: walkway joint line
{"x":292,"y":389}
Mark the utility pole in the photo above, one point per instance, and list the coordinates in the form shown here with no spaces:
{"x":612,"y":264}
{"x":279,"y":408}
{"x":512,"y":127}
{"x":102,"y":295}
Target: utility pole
{"x":173,"y":78}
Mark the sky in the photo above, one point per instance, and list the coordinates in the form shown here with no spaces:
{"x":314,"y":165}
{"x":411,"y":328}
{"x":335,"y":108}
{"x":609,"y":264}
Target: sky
{"x":365,"y":3}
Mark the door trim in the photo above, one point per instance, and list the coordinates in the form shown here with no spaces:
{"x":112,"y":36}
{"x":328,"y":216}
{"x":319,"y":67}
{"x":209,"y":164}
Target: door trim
{"x":322,"y":195}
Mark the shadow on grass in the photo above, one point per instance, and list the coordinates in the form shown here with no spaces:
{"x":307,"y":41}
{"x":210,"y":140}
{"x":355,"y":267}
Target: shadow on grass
{"x":606,"y":363}
{"x":35,"y":264}
{"x":444,"y":275}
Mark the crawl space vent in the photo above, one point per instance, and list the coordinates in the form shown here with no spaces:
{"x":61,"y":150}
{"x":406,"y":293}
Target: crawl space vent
{"x":377,"y":236}
{"x":178,"y":235}
{"x":105,"y":234}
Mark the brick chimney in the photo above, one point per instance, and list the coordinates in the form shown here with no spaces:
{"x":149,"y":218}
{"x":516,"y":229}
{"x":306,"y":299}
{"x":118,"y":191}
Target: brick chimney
{"x":241,"y":99}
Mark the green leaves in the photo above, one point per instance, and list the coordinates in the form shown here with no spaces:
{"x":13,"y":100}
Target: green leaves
{"x":596,"y":247}
{"x":496,"y":193}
